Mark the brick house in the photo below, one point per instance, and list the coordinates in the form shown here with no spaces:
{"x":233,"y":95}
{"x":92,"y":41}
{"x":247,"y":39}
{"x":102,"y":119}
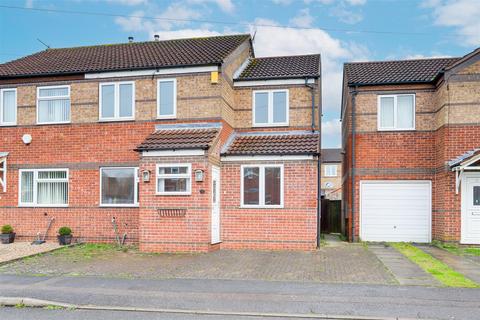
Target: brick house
{"x":411,"y":132}
{"x":188,"y":145}
{"x":331,"y":175}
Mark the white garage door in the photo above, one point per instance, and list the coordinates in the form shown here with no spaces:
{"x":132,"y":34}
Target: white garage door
{"x":395,"y":211}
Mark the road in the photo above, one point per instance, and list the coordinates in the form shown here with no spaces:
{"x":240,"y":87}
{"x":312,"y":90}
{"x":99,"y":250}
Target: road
{"x":217,"y":296}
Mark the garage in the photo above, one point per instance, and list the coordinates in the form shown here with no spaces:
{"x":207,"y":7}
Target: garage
{"x":397,"y":211}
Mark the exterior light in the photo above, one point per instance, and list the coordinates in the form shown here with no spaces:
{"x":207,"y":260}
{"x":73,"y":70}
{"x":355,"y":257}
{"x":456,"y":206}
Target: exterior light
{"x":146,"y":175}
{"x":27,"y":139}
{"x":199,"y":175}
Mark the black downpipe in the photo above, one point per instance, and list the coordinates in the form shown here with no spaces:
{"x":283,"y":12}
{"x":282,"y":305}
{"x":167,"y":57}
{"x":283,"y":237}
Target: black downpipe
{"x":354,"y":94}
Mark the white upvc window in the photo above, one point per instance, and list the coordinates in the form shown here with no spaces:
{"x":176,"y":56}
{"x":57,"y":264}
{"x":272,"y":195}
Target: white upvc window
{"x":43,"y":187}
{"x":396,"y":112}
{"x":262,"y":186}
{"x":330,"y":170}
{"x":119,"y":186}
{"x":53,"y":104}
{"x":117,"y":101}
{"x":174,"y":179}
{"x":167,"y":98}
{"x":270,"y":108}
{"x":3,"y":174}
{"x":8,"y":107}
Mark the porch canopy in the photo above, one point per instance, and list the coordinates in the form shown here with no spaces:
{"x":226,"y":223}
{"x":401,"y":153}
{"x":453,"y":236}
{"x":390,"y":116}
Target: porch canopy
{"x":469,"y":161}
{"x":3,"y":171}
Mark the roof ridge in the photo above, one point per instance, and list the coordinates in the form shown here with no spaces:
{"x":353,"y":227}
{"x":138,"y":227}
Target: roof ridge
{"x":402,"y":60}
{"x":145,"y":42}
{"x":288,"y":56}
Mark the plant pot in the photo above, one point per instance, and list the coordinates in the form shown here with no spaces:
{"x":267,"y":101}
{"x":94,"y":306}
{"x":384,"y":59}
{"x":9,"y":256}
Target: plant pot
{"x":65,"y":240}
{"x":7,"y":238}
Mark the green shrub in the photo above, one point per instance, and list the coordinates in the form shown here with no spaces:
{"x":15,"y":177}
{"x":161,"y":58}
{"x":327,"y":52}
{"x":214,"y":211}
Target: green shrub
{"x":7,"y":229}
{"x":64,"y":231}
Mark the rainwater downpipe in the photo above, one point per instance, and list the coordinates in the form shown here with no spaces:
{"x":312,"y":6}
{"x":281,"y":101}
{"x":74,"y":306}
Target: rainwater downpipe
{"x":354,"y":94}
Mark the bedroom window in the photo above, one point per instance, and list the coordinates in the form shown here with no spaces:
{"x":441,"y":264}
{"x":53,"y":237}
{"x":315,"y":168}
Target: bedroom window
{"x":8,"y":107}
{"x":53,"y":104}
{"x":270,"y":108}
{"x":396,"y":112}
{"x":117,"y":101}
{"x":167,"y":98}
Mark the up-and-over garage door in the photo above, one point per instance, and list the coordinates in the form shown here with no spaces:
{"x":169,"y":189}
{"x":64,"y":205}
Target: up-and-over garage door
{"x":395,"y":211}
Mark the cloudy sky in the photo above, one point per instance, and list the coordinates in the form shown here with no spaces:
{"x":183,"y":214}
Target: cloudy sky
{"x":341,"y":30}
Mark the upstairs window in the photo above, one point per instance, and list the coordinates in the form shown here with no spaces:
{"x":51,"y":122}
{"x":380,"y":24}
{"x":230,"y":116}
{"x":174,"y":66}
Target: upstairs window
{"x":117,"y":101}
{"x":167,"y":98}
{"x":396,"y":112}
{"x":53,"y":104}
{"x":330,"y":170}
{"x":44,"y":187}
{"x":262,"y":186}
{"x":8,"y":107}
{"x":270,"y":108}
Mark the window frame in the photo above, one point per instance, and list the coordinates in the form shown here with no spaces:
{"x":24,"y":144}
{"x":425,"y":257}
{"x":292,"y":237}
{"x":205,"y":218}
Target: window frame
{"x":2,"y":123}
{"x":135,"y":191}
{"x":270,"y":122}
{"x":261,"y":186}
{"x":116,"y":101}
{"x":325,"y":172}
{"x":395,"y":99}
{"x":3,"y":174}
{"x":170,"y":116}
{"x":35,"y":188}
{"x":187,"y":175}
{"x":54,"y":98}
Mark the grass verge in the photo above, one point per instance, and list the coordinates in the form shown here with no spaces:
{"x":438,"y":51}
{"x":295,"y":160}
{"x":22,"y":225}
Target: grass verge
{"x":438,"y":269}
{"x":455,"y":249}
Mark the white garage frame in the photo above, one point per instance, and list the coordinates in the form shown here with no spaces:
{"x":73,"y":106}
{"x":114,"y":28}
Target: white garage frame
{"x":363,"y":182}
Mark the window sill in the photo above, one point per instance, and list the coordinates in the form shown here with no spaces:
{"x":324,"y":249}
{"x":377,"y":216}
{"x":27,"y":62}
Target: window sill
{"x":116,"y":120}
{"x":392,"y":129}
{"x":261,"y":207}
{"x":269,"y":125}
{"x":8,"y":124}
{"x":119,"y":205}
{"x":43,"y":206}
{"x":166,"y":117}
{"x":50,"y":123}
{"x":174,"y":194}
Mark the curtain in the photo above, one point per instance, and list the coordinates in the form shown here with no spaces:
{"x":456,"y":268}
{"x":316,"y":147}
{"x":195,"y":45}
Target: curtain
{"x":9,"y":105}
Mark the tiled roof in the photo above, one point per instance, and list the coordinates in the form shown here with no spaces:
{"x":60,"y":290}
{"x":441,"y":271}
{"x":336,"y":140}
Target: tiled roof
{"x":282,"y":143}
{"x":467,"y":155}
{"x":181,"y":138}
{"x":281,"y":68}
{"x":331,"y":155}
{"x":396,"y":72}
{"x":126,"y":56}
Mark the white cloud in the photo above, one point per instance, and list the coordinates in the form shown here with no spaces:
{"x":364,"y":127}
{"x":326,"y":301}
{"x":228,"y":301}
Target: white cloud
{"x":129,"y":2}
{"x":462,"y":15}
{"x":133,"y":23}
{"x":356,"y":2}
{"x":225,"y":5}
{"x":422,"y":56}
{"x":303,"y":19}
{"x":282,"y":2}
{"x":331,"y":133}
{"x":345,"y":15}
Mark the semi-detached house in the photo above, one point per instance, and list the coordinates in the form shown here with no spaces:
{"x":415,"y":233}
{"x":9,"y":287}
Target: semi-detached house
{"x":411,"y":139}
{"x":188,"y":144}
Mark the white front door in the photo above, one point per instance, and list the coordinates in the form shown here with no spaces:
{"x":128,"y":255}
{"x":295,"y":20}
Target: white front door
{"x":471,"y":209}
{"x":215,"y":205}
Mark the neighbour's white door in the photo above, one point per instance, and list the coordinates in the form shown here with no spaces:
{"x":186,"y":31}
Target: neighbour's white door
{"x":396,"y":210}
{"x":215,"y":205}
{"x":471,"y":209}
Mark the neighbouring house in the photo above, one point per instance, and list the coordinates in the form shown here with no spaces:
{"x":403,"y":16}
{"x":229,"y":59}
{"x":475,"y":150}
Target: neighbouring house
{"x":187,"y":145}
{"x":411,"y":137}
{"x":331,"y":177}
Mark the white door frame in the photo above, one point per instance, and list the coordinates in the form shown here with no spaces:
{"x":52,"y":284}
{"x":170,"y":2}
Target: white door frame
{"x":464,"y":198}
{"x":215,"y":236}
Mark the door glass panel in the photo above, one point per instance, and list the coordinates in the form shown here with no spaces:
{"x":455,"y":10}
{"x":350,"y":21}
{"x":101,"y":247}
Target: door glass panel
{"x":214,"y":191}
{"x":476,"y":195}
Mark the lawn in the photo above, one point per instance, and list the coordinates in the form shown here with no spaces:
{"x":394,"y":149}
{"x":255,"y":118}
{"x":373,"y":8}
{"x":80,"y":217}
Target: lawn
{"x":438,"y":269}
{"x":455,"y":249}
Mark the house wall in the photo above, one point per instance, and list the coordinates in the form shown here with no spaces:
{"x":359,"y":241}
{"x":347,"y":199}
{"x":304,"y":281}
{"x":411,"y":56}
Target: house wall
{"x":447,"y":125}
{"x":292,"y":227}
{"x":334,"y":192}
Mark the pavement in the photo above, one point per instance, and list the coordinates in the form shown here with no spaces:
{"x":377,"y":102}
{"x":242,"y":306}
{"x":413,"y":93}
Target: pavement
{"x":255,"y":297}
{"x":405,"y":271}
{"x":18,"y":250}
{"x":462,"y":264}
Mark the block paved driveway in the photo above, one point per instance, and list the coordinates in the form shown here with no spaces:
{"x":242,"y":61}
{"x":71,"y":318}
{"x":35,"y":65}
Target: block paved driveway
{"x":348,"y":263}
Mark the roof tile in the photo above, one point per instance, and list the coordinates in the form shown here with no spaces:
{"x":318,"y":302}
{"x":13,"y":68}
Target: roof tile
{"x":175,"y":139}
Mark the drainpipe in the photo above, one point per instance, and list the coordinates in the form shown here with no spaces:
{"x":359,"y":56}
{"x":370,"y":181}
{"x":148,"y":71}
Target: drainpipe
{"x":354,"y":94}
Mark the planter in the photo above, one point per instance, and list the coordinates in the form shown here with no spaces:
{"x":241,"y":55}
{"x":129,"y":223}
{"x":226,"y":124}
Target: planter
{"x":65,"y":240}
{"x":7,"y":238}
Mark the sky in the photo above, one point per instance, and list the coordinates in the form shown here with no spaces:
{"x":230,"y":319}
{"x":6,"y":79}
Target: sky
{"x":340,"y":30}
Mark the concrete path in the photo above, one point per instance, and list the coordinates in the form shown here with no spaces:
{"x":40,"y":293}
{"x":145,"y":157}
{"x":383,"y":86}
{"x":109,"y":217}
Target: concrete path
{"x":18,"y":250}
{"x":251,"y":296}
{"x":405,"y":271}
{"x":461,"y":264}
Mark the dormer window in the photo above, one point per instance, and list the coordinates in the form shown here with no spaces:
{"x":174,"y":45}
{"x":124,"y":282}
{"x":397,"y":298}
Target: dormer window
{"x":396,"y":112}
{"x":270,"y":108}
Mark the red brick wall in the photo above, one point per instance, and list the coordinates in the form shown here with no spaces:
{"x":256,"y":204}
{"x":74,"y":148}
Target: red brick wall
{"x":293,"y":227}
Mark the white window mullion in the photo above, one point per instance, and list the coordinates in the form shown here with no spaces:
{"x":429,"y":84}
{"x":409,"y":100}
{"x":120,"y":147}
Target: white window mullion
{"x":261,"y":188}
{"x":270,"y":107}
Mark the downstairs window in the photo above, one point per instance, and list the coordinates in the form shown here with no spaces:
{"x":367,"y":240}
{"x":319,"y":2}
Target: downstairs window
{"x":44,"y":187}
{"x":262,"y":186}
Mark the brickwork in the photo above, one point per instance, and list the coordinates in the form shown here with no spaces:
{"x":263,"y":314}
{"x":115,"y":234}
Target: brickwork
{"x":447,"y":125}
{"x":335,"y":191}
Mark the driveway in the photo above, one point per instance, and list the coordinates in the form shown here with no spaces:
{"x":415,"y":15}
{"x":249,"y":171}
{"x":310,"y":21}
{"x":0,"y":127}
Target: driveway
{"x":350,"y":263}
{"x":18,"y":250}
